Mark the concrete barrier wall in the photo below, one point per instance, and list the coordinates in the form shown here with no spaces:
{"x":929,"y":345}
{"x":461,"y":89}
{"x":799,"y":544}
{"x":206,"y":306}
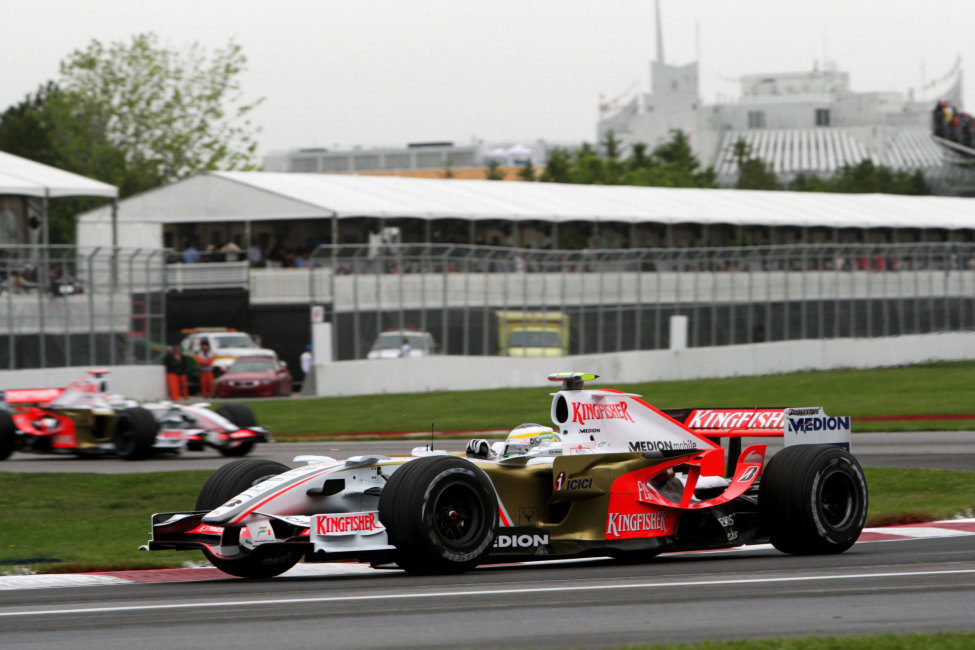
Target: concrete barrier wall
{"x":472,"y":373}
{"x":137,"y":382}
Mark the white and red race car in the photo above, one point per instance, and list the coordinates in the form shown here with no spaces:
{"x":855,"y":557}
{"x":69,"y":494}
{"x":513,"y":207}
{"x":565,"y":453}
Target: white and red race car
{"x":85,"y":419}
{"x":615,"y":477}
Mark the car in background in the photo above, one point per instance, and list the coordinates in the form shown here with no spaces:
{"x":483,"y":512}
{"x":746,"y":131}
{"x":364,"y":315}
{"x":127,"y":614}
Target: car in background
{"x":226,"y":345}
{"x":255,"y":376}
{"x":389,"y":344}
{"x":87,"y":420}
{"x":533,"y":333}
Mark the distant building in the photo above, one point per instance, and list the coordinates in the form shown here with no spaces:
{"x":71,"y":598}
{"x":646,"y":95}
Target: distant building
{"x":798,"y":122}
{"x":418,"y":159}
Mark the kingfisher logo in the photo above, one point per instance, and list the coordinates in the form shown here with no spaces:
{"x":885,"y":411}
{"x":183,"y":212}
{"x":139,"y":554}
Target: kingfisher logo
{"x":355,"y":522}
{"x":618,"y":525}
{"x":583,"y":412}
{"x":735,"y":419}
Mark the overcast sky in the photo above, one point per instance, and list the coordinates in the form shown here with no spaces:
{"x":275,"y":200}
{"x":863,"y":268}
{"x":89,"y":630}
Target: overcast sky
{"x":388,"y":72}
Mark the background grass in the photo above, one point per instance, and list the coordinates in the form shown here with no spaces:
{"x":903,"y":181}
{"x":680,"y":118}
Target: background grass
{"x":98,"y":521}
{"x":937,"y":388}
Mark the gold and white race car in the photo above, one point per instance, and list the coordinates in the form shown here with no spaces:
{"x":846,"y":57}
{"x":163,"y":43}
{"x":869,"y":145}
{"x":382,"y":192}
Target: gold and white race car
{"x":614,"y":476}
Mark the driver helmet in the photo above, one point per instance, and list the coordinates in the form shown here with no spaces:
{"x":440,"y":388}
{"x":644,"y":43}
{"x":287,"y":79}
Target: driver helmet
{"x":525,"y":437}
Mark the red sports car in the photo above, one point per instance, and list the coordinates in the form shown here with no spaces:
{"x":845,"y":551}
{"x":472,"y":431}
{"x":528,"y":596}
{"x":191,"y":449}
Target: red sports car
{"x":255,"y":377}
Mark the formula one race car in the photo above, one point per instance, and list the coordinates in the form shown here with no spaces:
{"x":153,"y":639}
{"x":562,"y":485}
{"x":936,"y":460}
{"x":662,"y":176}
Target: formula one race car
{"x":617,"y":477}
{"x":87,"y":420}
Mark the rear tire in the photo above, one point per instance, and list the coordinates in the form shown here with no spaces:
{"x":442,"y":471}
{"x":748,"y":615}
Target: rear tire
{"x":226,"y":483}
{"x":813,"y":499}
{"x":240,"y":414}
{"x":8,"y":435}
{"x":135,"y":433}
{"x":441,"y":514}
{"x":243,"y":416}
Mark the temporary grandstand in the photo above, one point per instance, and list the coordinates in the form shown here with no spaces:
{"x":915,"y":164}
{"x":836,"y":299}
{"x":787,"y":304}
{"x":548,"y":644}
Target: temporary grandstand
{"x":296,"y":211}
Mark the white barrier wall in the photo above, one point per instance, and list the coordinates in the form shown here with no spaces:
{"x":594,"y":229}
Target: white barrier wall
{"x":423,"y":374}
{"x":137,"y":382}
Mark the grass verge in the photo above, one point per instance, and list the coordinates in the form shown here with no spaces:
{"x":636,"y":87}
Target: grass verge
{"x":927,"y":389}
{"x":84,"y":522}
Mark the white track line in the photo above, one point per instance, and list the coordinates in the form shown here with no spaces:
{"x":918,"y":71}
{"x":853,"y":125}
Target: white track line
{"x":478,"y":592}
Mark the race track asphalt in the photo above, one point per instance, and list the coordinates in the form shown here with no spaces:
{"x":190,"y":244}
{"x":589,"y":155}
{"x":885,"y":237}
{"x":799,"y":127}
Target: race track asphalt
{"x":935,"y":450}
{"x":876,"y":587}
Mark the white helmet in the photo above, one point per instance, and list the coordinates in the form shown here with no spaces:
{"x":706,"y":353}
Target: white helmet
{"x":525,"y":437}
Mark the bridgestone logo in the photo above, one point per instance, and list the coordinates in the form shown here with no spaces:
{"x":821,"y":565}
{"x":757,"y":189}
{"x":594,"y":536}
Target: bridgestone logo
{"x":639,"y":523}
{"x":581,"y":412}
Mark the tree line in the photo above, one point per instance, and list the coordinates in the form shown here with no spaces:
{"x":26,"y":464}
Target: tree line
{"x":673,"y":164}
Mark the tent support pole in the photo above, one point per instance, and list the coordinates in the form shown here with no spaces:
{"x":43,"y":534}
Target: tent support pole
{"x":114,"y":223}
{"x":45,"y":226}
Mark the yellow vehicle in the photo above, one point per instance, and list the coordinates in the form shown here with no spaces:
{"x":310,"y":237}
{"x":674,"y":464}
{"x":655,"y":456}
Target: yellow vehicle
{"x":533,"y":333}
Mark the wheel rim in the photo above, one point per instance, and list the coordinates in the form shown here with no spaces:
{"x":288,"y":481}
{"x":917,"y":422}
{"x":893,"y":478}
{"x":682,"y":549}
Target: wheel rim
{"x":838,"y":499}
{"x":457,"y":515}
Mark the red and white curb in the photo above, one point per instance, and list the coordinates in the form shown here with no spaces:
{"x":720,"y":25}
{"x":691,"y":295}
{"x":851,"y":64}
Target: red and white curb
{"x":929,"y":530}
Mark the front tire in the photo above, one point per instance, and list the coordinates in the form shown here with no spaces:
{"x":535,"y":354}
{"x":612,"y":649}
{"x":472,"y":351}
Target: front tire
{"x":226,"y":483}
{"x":242,"y":416}
{"x":135,"y":433}
{"x":812,"y":499}
{"x":441,"y":514}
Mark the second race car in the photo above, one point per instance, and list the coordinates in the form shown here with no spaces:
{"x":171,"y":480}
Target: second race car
{"x":85,"y":419}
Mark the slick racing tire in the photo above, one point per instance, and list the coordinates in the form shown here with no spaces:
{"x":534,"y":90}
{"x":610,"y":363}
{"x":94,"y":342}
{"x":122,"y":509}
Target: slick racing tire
{"x":224,"y":484}
{"x":135,"y":433}
{"x":8,"y":435}
{"x":242,"y":416}
{"x":441,"y":514}
{"x":813,"y":499}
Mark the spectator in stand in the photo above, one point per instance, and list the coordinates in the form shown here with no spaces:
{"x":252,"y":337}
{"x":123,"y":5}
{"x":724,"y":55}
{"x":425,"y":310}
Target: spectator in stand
{"x":205,"y":361}
{"x":190,"y":254}
{"x":307,"y":361}
{"x":301,"y":261}
{"x":231,"y":252}
{"x":938,"y":119}
{"x":254,"y":254}
{"x":966,"y":130}
{"x":175,"y":364}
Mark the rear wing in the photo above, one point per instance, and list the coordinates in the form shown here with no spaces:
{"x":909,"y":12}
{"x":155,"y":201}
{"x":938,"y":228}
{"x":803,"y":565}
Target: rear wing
{"x":29,"y":396}
{"x":808,"y":425}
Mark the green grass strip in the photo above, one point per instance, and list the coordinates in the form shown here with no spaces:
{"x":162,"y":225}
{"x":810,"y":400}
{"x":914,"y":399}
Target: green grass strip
{"x":928,"y":389}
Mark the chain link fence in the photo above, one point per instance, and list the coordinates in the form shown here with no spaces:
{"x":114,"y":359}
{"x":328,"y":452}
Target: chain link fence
{"x":619,"y":300}
{"x":65,"y":306}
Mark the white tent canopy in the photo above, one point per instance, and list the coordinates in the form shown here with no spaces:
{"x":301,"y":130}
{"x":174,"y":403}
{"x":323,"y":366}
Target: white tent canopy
{"x":24,"y":177}
{"x":265,"y":196}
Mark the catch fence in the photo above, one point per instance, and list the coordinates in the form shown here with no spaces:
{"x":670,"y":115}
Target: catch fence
{"x":620,"y":300}
{"x":65,"y":305}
